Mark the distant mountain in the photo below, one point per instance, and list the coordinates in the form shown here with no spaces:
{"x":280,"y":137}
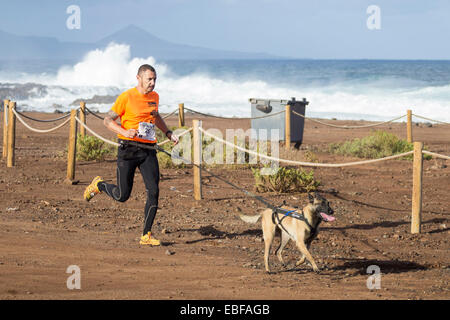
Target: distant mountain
{"x":142,"y":44}
{"x":32,"y":47}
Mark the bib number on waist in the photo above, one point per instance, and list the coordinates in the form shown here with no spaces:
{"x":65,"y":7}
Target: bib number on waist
{"x":146,"y":131}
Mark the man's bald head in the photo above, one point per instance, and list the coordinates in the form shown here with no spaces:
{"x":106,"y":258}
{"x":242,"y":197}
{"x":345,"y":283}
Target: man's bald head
{"x":144,"y":68}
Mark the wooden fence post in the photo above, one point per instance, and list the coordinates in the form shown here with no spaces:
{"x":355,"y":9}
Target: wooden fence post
{"x":287,"y":132}
{"x":82,"y":117}
{"x":409,"y":126}
{"x":5,"y":128}
{"x":181,"y":115}
{"x":10,"y":159}
{"x":71,"y":154}
{"x":197,"y":140}
{"x":417,"y":188}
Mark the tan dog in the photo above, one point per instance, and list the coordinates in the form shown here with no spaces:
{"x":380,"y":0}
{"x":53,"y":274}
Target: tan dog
{"x":300,"y":226}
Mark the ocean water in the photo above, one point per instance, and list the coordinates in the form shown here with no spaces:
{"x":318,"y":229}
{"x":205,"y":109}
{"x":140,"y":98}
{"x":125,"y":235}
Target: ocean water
{"x":342,"y":89}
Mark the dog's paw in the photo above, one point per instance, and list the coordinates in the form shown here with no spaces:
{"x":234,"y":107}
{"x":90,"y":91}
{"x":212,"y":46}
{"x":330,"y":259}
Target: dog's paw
{"x":316,"y":270}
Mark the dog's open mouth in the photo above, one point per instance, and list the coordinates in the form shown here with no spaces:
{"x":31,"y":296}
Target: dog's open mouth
{"x":326,"y":217}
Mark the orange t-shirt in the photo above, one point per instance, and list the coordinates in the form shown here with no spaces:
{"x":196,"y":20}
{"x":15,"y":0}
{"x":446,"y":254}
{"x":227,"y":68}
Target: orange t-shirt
{"x":133,"y":108}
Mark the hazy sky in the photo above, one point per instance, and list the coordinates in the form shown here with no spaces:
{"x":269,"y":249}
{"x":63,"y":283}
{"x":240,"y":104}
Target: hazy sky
{"x":409,"y":29}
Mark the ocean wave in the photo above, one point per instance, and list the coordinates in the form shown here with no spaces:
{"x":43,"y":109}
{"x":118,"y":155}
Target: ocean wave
{"x":103,"y":74}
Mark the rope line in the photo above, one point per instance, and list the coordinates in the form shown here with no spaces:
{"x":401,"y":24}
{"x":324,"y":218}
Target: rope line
{"x":39,"y":130}
{"x":437,"y":155}
{"x":307,"y":164}
{"x":117,"y":144}
{"x":94,"y":114}
{"x":232,"y":118}
{"x":430,"y":119}
{"x":348,"y":127}
{"x":42,"y":120}
{"x":178,"y":135}
{"x":96,"y":134}
{"x":168,"y":115}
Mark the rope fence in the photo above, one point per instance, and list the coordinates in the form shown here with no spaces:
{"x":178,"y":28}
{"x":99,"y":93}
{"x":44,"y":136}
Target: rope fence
{"x":348,"y":127}
{"x":422,"y":117}
{"x":260,"y":117}
{"x":437,"y":155}
{"x":39,"y":130}
{"x":301,"y":163}
{"x":288,"y":124}
{"x":198,"y":131}
{"x":20,"y":116}
{"x":245,"y":118}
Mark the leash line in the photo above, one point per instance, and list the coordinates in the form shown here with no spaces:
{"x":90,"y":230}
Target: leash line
{"x":248,"y":193}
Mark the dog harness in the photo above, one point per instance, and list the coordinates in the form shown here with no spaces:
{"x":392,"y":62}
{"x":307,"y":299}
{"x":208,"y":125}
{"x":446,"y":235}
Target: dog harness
{"x":294,"y":214}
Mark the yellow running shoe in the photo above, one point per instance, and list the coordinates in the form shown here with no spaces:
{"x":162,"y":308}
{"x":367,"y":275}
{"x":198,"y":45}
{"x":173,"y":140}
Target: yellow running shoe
{"x":92,"y":189}
{"x":147,"y":239}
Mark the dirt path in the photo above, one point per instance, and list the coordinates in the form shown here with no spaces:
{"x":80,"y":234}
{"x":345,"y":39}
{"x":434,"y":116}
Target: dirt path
{"x":208,"y":252}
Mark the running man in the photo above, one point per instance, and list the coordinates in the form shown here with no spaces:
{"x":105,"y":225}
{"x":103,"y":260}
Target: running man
{"x":138,"y":112}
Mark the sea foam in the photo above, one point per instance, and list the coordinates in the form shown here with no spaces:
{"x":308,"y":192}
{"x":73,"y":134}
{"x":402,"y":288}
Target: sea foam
{"x":109,"y":71}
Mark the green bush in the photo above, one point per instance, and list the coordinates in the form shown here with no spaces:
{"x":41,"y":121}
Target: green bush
{"x":91,"y":148}
{"x":285,"y":180}
{"x":377,"y":145}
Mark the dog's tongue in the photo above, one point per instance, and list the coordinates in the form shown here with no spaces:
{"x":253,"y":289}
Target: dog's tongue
{"x":327,"y":217}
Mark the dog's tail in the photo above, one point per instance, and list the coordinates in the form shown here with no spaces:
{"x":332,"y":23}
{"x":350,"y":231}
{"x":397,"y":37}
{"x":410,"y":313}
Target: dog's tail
{"x":250,"y":219}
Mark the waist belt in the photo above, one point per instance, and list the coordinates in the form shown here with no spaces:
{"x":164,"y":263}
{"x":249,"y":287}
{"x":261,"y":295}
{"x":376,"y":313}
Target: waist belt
{"x":150,"y":145}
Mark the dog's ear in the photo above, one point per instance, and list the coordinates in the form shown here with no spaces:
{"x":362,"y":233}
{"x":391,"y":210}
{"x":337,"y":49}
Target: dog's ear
{"x":310,"y":198}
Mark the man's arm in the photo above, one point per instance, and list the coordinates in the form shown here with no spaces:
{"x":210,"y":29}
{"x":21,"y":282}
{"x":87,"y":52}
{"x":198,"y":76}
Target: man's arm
{"x":111,"y":124}
{"x":159,"y":122}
